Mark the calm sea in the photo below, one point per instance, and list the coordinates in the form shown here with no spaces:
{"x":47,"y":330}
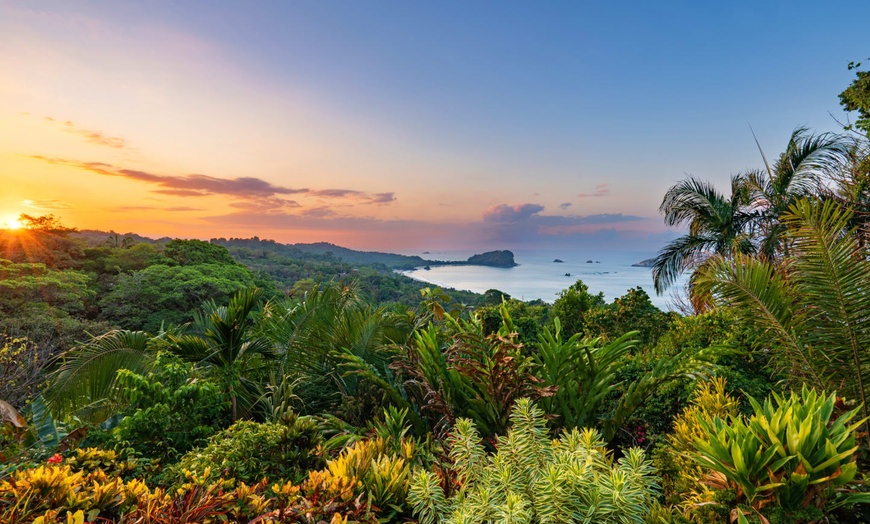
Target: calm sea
{"x":538,"y":277}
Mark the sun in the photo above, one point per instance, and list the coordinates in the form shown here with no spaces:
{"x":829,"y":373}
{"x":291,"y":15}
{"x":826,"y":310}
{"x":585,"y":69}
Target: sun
{"x":10,"y":222}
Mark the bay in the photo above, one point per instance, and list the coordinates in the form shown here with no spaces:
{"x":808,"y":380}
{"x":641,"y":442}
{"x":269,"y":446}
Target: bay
{"x":538,"y":277}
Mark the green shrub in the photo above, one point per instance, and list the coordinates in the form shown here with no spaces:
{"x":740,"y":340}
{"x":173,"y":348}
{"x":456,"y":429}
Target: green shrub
{"x":534,"y":479}
{"x":170,"y":412}
{"x":249,"y":451}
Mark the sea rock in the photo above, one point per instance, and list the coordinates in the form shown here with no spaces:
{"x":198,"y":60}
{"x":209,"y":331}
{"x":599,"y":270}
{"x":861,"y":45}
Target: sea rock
{"x":502,"y":258}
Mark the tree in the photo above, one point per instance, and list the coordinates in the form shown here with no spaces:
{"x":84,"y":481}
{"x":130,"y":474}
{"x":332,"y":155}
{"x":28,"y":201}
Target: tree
{"x":224,"y":343}
{"x":161,"y":294}
{"x":192,"y":252}
{"x":42,"y":240}
{"x":573,"y":303}
{"x":337,"y":340}
{"x":856,"y":97}
{"x":633,"y":311}
{"x":717,"y":225}
{"x":748,"y":222}
{"x":808,"y":160}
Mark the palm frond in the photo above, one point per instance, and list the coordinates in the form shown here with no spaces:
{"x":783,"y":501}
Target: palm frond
{"x":832,"y":277}
{"x":87,"y":374}
{"x":760,"y":293}
{"x":678,"y":256}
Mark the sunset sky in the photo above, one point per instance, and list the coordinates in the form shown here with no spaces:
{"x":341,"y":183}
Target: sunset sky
{"x":403,"y":125}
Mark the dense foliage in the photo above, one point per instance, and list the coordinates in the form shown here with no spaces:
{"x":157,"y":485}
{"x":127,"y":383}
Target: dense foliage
{"x":244,"y":380}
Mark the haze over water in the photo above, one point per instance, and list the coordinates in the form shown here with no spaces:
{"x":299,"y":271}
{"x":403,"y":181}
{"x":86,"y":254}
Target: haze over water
{"x":538,"y":277}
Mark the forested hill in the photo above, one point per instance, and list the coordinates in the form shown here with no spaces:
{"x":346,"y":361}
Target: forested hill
{"x":298,"y":267}
{"x":324,"y":251}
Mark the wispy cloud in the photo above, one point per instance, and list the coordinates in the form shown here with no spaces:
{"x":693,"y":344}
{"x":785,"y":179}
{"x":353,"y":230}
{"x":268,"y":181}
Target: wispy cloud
{"x":255,"y":193}
{"x":360,"y":196}
{"x":43,"y":205}
{"x":565,"y":205}
{"x":121,"y":209}
{"x":599,"y":191}
{"x":515,"y":213}
{"x":318,"y":212}
{"x":270,"y":204}
{"x":180,"y":209}
{"x":94,"y":137}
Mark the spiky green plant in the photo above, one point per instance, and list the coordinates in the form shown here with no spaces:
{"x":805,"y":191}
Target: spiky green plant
{"x":793,"y":451}
{"x":581,"y":374}
{"x":533,"y":479}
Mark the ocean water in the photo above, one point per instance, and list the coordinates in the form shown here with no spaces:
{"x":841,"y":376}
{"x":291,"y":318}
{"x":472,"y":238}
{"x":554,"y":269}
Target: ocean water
{"x":538,"y":277}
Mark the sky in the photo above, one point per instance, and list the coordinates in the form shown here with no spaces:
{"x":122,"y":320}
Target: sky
{"x":404,"y":126}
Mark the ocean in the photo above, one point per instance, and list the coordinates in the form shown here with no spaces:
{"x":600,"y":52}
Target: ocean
{"x":538,"y":277}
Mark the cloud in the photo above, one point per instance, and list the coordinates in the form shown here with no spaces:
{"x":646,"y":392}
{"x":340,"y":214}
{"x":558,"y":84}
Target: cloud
{"x":121,"y":209}
{"x":178,"y":192}
{"x":208,"y":185}
{"x":270,"y":204}
{"x":383,"y":198}
{"x":525,"y":224}
{"x":94,"y":137}
{"x":515,"y":213}
{"x":360,"y":196}
{"x":565,"y":205}
{"x":254,"y":191}
{"x":45,"y":204}
{"x":599,"y":191}
{"x":318,"y":212}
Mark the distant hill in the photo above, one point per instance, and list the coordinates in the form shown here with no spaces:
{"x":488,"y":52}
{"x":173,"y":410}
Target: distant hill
{"x":351,"y":256}
{"x":319,"y":250}
{"x":645,"y":263}
{"x":368,"y":258}
{"x":95,"y":237}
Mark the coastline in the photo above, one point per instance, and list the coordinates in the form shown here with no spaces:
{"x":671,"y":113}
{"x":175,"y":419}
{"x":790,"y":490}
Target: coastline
{"x":537,"y":277}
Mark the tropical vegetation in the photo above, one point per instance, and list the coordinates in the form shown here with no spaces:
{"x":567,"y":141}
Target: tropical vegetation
{"x":246,"y":381}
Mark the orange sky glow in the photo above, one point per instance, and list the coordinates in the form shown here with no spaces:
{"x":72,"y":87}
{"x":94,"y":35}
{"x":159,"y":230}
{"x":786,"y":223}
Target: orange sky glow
{"x":302,"y":123}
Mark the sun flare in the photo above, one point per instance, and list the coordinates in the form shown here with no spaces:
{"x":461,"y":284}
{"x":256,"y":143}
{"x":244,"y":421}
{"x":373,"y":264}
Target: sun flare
{"x":10,"y":222}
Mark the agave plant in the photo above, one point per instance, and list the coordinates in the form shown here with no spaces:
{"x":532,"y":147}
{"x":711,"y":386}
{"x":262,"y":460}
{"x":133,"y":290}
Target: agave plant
{"x":792,"y":451}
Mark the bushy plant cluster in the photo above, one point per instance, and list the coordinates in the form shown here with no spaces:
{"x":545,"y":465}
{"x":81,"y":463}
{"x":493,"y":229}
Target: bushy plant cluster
{"x":534,"y":478}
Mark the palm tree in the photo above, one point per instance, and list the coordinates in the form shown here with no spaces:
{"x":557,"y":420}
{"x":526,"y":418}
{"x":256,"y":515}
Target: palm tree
{"x":800,"y":171}
{"x":222,"y":343}
{"x":815,"y":307}
{"x":749,"y":221}
{"x":717,"y":225}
